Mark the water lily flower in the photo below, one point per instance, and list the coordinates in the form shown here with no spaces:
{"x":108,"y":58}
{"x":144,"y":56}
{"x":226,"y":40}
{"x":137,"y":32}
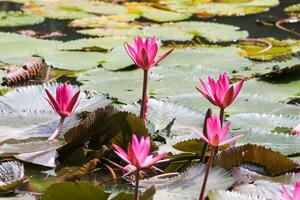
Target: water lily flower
{"x":63,"y":104}
{"x":138,"y":153}
{"x":216,"y":133}
{"x":143,"y":53}
{"x":296,"y":193}
{"x":220,"y":93}
{"x":137,"y":156}
{"x":65,"y":100}
{"x":296,"y":130}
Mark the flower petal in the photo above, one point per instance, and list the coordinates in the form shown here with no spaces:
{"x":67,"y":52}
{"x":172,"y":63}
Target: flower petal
{"x":230,"y":140}
{"x":52,"y":101}
{"x":285,"y":193}
{"x":200,"y":135}
{"x":162,"y":57}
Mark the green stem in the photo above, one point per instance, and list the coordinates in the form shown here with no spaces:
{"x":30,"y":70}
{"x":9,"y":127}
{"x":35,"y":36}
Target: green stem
{"x":136,"y":189}
{"x":144,"y":96}
{"x":208,"y":166}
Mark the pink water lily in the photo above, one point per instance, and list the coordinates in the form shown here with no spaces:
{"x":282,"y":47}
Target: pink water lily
{"x":64,"y":104}
{"x":138,"y":153}
{"x":215,"y":132}
{"x":65,"y":100}
{"x":143,"y":53}
{"x":296,"y":130}
{"x":296,"y":193}
{"x":220,"y":93}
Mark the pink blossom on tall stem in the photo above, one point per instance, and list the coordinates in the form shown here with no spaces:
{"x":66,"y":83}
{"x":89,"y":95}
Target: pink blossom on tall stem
{"x":220,"y":93}
{"x":215,"y":135}
{"x":296,"y":193}
{"x":64,"y":104}
{"x":296,"y":130}
{"x":137,"y":156}
{"x":143,"y":54}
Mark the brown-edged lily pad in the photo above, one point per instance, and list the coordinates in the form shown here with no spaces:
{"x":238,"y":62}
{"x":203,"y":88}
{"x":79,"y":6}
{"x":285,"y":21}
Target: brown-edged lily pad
{"x":268,"y":162}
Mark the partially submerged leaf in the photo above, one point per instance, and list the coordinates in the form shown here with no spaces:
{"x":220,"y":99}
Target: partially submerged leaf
{"x":273,"y":163}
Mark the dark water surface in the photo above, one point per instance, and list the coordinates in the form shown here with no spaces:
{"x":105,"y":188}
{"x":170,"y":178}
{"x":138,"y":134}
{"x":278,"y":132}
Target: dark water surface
{"x":249,"y":23}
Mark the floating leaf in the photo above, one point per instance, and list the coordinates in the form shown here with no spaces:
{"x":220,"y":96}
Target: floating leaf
{"x":213,"y":32}
{"x":106,"y":43}
{"x":187,"y":184}
{"x":194,"y":146}
{"x":206,"y":9}
{"x":225,"y":195}
{"x":44,"y":158}
{"x":273,"y":163}
{"x":293,"y":10}
{"x":155,"y":14}
{"x":11,"y":175}
{"x":111,"y":21}
{"x":279,"y":50}
{"x":74,"y":191}
{"x":268,"y":122}
{"x":14,"y":46}
{"x":263,"y":189}
{"x":13,"y":18}
{"x":161,"y":113}
{"x":283,"y":143}
{"x":74,"y":60}
{"x":131,"y":31}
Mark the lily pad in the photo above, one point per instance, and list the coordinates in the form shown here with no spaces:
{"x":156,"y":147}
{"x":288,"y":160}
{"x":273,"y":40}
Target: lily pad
{"x":112,"y":21}
{"x":11,"y":175}
{"x":161,"y":113}
{"x":224,"y":195}
{"x":187,"y":184}
{"x":74,"y":60}
{"x":206,"y":9}
{"x":293,"y":10}
{"x":283,"y":143}
{"x":155,"y":14}
{"x":213,"y":32}
{"x":273,"y":163}
{"x":12,"y":19}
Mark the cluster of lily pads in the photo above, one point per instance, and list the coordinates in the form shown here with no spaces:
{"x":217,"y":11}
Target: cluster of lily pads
{"x":71,"y":148}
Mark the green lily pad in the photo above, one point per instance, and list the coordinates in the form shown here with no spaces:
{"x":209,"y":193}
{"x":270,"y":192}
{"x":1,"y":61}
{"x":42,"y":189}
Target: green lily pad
{"x":74,"y":191}
{"x":278,"y":50}
{"x":111,"y":21}
{"x":293,"y":10}
{"x":223,"y":8}
{"x":75,"y":60}
{"x":12,"y":19}
{"x":131,"y":31}
{"x":183,"y":31}
{"x":155,"y":14}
